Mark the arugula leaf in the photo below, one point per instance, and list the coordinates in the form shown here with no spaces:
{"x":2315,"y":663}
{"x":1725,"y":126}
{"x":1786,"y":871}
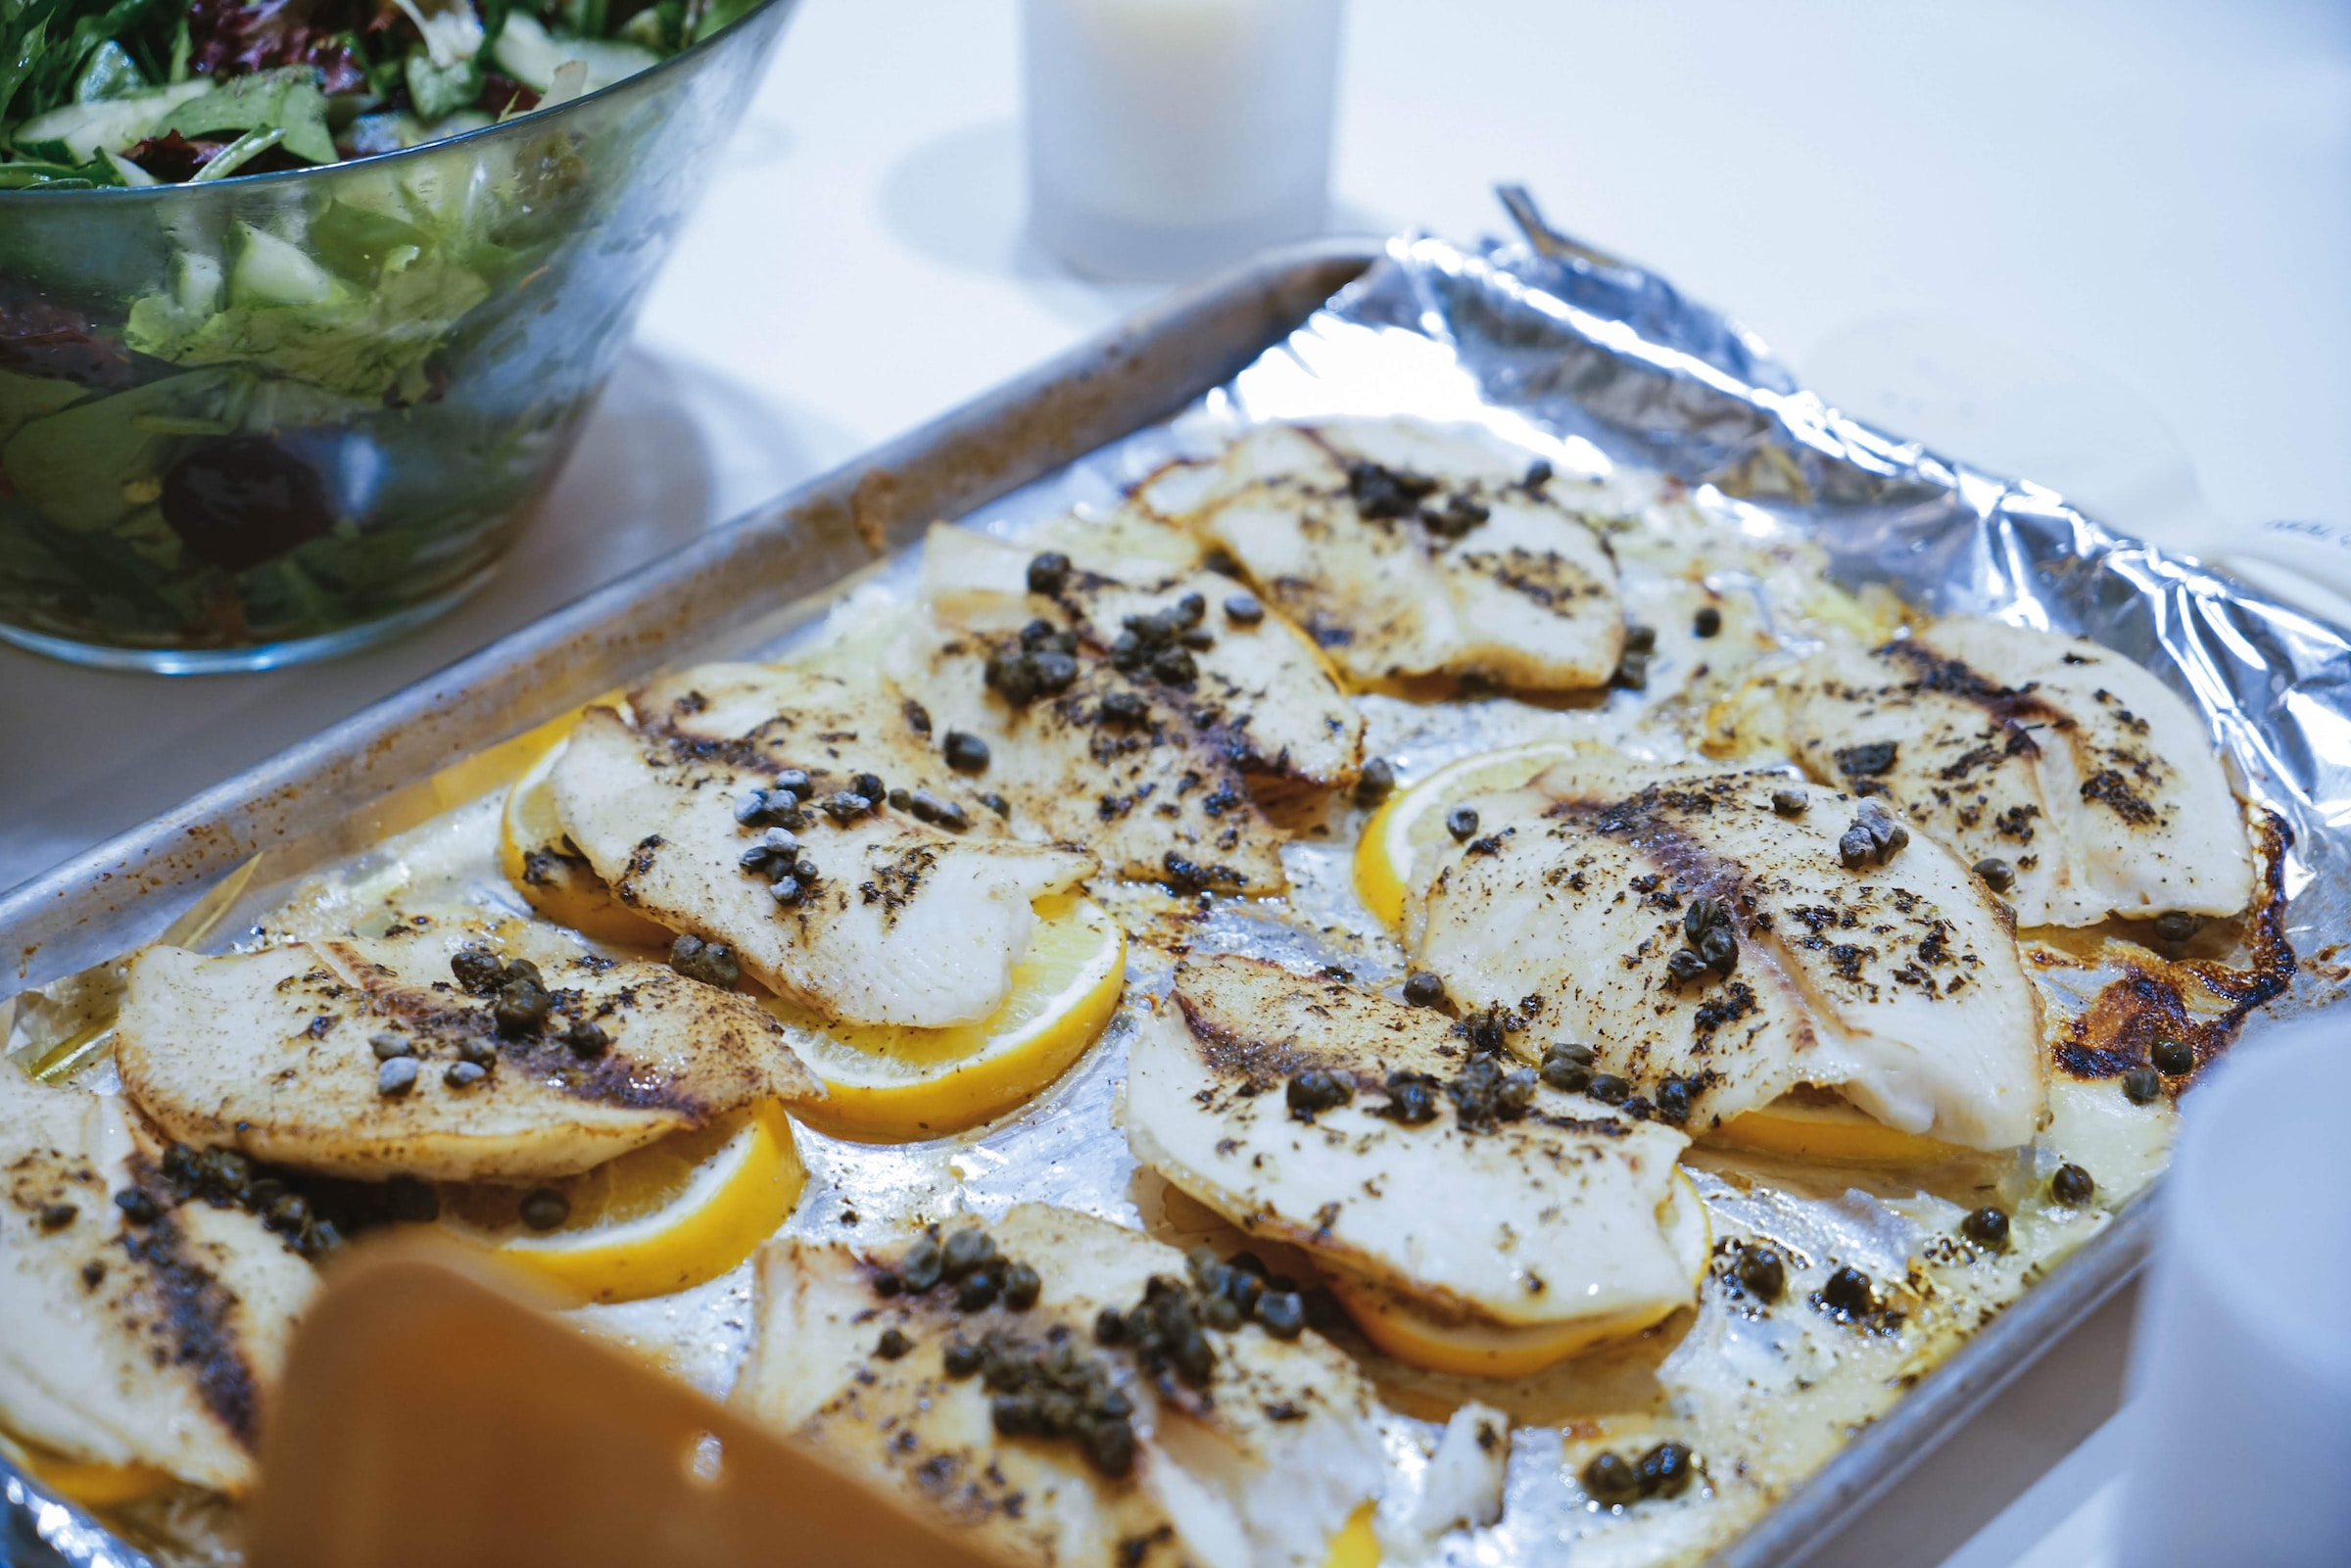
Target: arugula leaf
{"x":40,"y":175}
{"x":286,"y":98}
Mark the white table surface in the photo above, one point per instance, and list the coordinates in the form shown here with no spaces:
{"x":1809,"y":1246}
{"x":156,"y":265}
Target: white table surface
{"x":2103,"y":244}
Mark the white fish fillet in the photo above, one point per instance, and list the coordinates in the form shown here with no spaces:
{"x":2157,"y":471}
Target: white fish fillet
{"x":907,"y":923}
{"x":1899,"y":984}
{"x":1526,"y":594}
{"x":1259,"y":1474}
{"x":269,"y":1053}
{"x":1176,"y":790}
{"x":154,"y":1343}
{"x":2080,"y":769}
{"x":1554,"y":1218}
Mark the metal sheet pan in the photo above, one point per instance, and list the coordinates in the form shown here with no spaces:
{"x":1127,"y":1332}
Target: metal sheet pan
{"x":1589,"y":346}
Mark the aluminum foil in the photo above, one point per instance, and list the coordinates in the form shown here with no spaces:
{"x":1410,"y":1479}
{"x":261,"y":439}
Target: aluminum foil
{"x":1590,"y":350}
{"x":1608,"y":368}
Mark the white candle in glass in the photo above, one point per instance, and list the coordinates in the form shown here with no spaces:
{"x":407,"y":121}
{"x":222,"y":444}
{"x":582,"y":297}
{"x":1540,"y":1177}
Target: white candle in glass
{"x":1165,"y":136}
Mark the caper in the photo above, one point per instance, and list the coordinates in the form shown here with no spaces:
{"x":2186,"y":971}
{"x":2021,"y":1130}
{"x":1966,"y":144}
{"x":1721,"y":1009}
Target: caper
{"x":1014,"y":1415}
{"x":1996,"y":874}
{"x":893,"y":1343}
{"x":1461,"y":822}
{"x":1048,"y":573}
{"x":1412,"y":1098}
{"x":1849,"y":1290}
{"x":1639,"y":639}
{"x":978,"y":1289}
{"x":1790,"y":802}
{"x":1986,"y":1227}
{"x":1022,"y":1287}
{"x":786,"y":891}
{"x":1110,"y":1445}
{"x":1567,"y":1068}
{"x":522,"y":1004}
{"x":967,"y":1248}
{"x":546,"y":1209}
{"x":137,"y":1206}
{"x":1424,"y":989}
{"x":1376,"y":783}
{"x":1110,"y":1326}
{"x":1707,"y":622}
{"x":844,"y":806}
{"x":395,"y":1076}
{"x":2141,"y":1085}
{"x":1665,"y":1471}
{"x":869,"y":785}
{"x":1760,"y":1272}
{"x":388,"y":1046}
{"x":477,"y":968}
{"x":1282,"y":1314}
{"x":938,"y":810}
{"x":1515,"y":1095}
{"x":289,"y":1211}
{"x":1608,"y":1089}
{"x":1673,"y":1101}
{"x":965,"y":753}
{"x":587,"y":1038}
{"x":1221,"y":1312}
{"x":2173,"y":1057}
{"x":1244,"y":608}
{"x":2073,"y":1186}
{"x":463,"y":1074}
{"x":922,"y":1265}
{"x":711,"y":962}
{"x":1174,"y":666}
{"x":1314,"y":1090}
{"x":1684,"y":965}
{"x":1611,"y":1480}
{"x":961,"y":1359}
{"x":1538,"y":474}
{"x":2177,"y":927}
{"x":56,"y":1217}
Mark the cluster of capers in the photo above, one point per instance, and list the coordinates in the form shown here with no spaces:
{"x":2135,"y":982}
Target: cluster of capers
{"x":1381,"y":492}
{"x":1049,"y":1391}
{"x":1167,"y":1330}
{"x":1574,"y":1068}
{"x":1044,"y":664}
{"x":776,"y":803}
{"x":1484,"y":1094}
{"x":968,"y":1261}
{"x":313,"y":1225}
{"x":1711,"y":944}
{"x":1873,"y":839}
{"x":1161,"y":642}
{"x":520,"y":1007}
{"x":1612,"y":1481}
{"x":779,"y":856}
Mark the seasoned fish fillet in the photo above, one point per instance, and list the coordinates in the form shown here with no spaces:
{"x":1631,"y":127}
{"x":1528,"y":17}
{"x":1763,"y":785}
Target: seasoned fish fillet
{"x":1896,"y":980}
{"x":273,"y":1052}
{"x":1259,"y":1465}
{"x":916,"y":912}
{"x":1545,"y":1212}
{"x":1403,"y":551}
{"x":2098,"y":786}
{"x":1157,"y":749}
{"x":131,"y":1343}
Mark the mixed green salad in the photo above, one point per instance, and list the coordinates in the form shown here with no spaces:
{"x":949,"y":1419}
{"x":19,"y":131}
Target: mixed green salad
{"x":257,"y":414}
{"x":144,"y":92}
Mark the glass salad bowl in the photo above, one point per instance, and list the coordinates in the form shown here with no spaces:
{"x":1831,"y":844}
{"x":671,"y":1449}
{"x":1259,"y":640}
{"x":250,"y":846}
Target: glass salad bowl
{"x":254,"y":420}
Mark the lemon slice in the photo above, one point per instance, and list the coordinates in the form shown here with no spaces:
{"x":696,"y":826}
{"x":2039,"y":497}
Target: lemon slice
{"x":554,"y":878}
{"x":666,"y":1218}
{"x":1411,"y":1334}
{"x":1408,"y":831}
{"x":1817,"y":1124}
{"x":1354,"y":1545}
{"x":92,"y":1484}
{"x":890,"y":1084}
